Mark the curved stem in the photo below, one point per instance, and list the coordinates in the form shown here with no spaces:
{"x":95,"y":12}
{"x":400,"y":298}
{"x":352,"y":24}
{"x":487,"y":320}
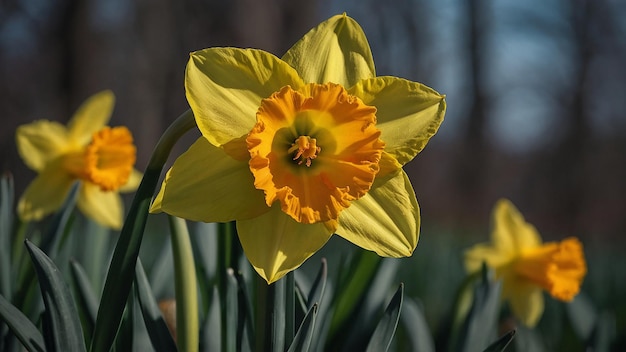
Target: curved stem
{"x":122,"y":269}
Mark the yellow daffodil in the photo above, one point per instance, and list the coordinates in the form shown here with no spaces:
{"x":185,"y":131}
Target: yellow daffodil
{"x":298,"y":148}
{"x":527,"y":266}
{"x":100,"y":157}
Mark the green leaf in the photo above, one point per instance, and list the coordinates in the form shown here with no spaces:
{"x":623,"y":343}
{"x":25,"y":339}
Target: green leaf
{"x":416,"y":327}
{"x":480,"y":323}
{"x":211,"y":336}
{"x":501,"y":344}
{"x":6,"y":225}
{"x":232,"y":311}
{"x":122,"y":269}
{"x":317,"y":289}
{"x":87,"y":300}
{"x":125,"y":336}
{"x":61,"y":315}
{"x":302,"y":340}
{"x":158,"y":332}
{"x":358,"y":277}
{"x":582,"y":316}
{"x":21,"y":327}
{"x":386,"y":328}
{"x":245,"y":328}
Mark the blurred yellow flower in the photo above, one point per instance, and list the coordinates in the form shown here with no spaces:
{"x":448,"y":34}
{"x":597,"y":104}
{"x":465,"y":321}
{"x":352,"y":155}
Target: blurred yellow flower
{"x":298,"y":148}
{"x":100,"y":157}
{"x":527,"y":266}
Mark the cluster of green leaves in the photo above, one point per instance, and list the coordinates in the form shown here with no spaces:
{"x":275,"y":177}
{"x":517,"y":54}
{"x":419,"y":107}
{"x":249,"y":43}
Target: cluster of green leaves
{"x":357,"y":303}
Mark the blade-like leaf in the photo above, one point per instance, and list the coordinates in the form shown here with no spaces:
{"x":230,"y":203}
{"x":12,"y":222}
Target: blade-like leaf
{"x":21,"y":327}
{"x":6,"y":224}
{"x":479,"y":326}
{"x":125,"y":336}
{"x":386,"y":328}
{"x":501,"y":343}
{"x":155,"y":324}
{"x":361,"y":272}
{"x":245,"y":328}
{"x":211,"y":336}
{"x":416,"y":327}
{"x":122,"y":269}
{"x":302,"y":340}
{"x":61,"y":314}
{"x":86,"y":298}
{"x":317,"y":289}
{"x":232,"y":311}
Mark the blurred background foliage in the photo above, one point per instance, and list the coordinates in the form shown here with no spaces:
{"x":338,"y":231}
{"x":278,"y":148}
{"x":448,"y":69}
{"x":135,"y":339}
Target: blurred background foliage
{"x":535,"y":92}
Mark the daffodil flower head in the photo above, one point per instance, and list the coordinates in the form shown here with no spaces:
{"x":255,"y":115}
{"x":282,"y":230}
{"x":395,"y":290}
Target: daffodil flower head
{"x":101,"y":158}
{"x":300,"y":147}
{"x":526,"y":266}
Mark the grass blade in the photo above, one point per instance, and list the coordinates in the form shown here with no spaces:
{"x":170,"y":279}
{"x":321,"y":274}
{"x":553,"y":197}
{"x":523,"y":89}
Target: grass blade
{"x":160,"y":335}
{"x":86,"y":298}
{"x":21,"y":327}
{"x":386,"y":328}
{"x":61,"y":315}
{"x":302,"y":340}
{"x":501,"y":343}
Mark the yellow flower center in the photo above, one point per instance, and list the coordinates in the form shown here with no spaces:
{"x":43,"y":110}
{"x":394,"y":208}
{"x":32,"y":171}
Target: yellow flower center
{"x":305,"y":148}
{"x":557,"y":267}
{"x":107,"y":161}
{"x":314,"y":150}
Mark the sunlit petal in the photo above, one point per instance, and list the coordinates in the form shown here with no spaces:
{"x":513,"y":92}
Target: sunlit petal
{"x":335,"y":51}
{"x":225,"y":86}
{"x":46,"y":193}
{"x":408,"y":113}
{"x":40,"y":142}
{"x":276,"y":244}
{"x":386,"y":220}
{"x":206,"y":184}
{"x":90,"y":117}
{"x":510,"y":231}
{"x":105,"y":207}
{"x":527,"y":303}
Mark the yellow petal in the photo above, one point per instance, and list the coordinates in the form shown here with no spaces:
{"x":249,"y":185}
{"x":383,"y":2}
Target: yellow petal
{"x":46,"y":193}
{"x":527,"y":302}
{"x":40,"y":142}
{"x":386,"y":220}
{"x":408,"y":113}
{"x":510,"y":232}
{"x":335,"y":51}
{"x":90,"y":117}
{"x":133,"y":182}
{"x":104,"y":207}
{"x":276,"y":244}
{"x":493,"y":257}
{"x":225,"y":86}
{"x":206,"y":184}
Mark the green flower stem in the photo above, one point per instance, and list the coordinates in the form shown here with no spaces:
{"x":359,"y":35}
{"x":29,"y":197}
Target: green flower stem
{"x":122,"y":269}
{"x":187,"y":338}
{"x":270,"y":316}
{"x":290,"y":308}
{"x":224,"y":259}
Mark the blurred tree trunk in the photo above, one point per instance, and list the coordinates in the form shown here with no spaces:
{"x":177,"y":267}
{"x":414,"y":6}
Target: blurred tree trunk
{"x":471,"y":164}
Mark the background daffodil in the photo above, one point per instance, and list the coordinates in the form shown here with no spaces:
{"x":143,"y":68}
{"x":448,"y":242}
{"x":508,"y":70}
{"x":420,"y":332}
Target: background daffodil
{"x":527,"y":266}
{"x":86,"y":150}
{"x":300,"y":147}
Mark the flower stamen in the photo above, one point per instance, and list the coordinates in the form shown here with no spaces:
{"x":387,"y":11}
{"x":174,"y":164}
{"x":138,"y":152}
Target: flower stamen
{"x":305,"y":148}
